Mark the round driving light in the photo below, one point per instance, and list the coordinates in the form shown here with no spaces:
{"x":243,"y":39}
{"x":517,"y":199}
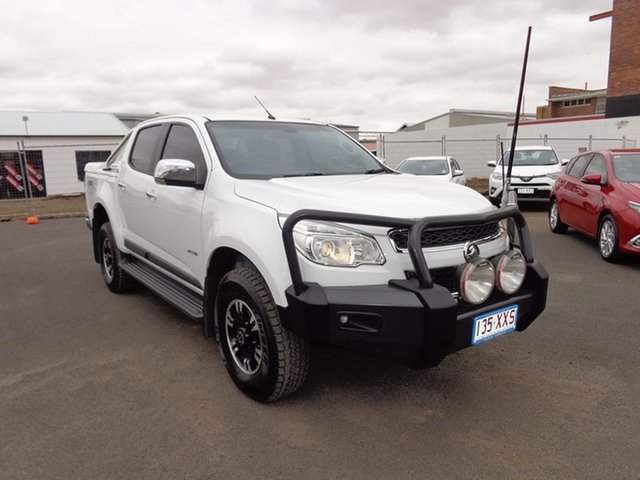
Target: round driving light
{"x":476,"y":280}
{"x":510,"y":270}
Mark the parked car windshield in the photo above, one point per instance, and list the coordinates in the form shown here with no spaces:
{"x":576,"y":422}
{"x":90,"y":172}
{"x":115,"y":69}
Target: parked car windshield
{"x":627,"y":167}
{"x":531,"y":157}
{"x":277,"y":149}
{"x":425,"y":167}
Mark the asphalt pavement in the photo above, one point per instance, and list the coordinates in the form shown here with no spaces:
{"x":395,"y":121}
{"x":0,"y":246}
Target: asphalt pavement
{"x":95,"y":385}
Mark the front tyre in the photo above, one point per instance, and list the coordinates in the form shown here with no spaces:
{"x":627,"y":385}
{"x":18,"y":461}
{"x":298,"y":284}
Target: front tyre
{"x":110,"y":260}
{"x":608,"y":239}
{"x":265,"y":360}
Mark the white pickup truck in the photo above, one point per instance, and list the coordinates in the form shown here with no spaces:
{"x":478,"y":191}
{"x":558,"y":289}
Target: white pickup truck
{"x":282,"y":234}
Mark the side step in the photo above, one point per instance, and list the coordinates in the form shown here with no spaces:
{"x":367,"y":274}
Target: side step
{"x":177,"y":295}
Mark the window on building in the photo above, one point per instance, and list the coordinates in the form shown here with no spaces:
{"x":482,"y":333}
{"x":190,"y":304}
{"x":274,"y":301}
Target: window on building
{"x":85,"y":156}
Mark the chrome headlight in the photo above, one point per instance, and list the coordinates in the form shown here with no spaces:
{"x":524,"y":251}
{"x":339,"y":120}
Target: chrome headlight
{"x":510,"y":271}
{"x":497,"y":176}
{"x":333,"y":245}
{"x":476,"y":280}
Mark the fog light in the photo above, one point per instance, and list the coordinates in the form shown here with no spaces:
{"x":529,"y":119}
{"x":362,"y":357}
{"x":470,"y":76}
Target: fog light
{"x":476,"y":280}
{"x":510,"y":271}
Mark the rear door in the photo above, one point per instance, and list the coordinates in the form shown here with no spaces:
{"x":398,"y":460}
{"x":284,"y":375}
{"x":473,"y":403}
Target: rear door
{"x":134,"y":182}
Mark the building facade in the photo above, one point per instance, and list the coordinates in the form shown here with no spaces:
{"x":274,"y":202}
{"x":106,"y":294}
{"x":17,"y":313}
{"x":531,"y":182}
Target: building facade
{"x":43,"y":154}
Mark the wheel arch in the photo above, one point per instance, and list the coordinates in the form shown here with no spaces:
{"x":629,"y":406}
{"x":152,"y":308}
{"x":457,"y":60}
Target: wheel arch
{"x":221,"y":261}
{"x":604,"y":213}
{"x":100,"y":217}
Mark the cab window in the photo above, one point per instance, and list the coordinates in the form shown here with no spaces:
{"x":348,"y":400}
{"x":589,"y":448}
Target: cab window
{"x":182,"y":144}
{"x":144,"y":148}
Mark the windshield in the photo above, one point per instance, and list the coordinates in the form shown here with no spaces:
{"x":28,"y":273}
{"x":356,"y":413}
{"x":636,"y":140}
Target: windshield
{"x":531,"y":157}
{"x":425,"y":167}
{"x":627,"y":167}
{"x":269,"y":150}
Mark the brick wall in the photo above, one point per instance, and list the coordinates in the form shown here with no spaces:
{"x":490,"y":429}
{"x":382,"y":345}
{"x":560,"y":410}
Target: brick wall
{"x":555,"y":91}
{"x":623,"y":91}
{"x":558,"y":109}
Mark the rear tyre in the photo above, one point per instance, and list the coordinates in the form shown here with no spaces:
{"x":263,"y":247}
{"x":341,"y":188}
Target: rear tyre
{"x":110,"y":260}
{"x":265,"y":360}
{"x":608,"y":239}
{"x":555,"y":224}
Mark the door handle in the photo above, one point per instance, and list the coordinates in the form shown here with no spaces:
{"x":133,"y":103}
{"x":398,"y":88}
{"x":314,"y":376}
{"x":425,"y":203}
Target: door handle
{"x":151,"y":194}
{"x":122,"y":185}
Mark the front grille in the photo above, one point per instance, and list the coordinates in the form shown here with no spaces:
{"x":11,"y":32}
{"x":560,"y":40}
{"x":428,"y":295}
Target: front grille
{"x":441,"y":276}
{"x":446,"y":236}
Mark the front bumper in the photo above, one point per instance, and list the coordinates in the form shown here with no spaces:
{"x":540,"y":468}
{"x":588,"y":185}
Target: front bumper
{"x":412,"y":321}
{"x":535,"y":191}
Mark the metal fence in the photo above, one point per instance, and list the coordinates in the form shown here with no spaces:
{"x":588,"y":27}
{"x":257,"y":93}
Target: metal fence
{"x":474,"y":153}
{"x":38,"y":171}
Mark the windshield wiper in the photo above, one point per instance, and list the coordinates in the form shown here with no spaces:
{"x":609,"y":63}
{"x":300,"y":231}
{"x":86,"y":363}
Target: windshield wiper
{"x":375,"y":170}
{"x":307,"y":174}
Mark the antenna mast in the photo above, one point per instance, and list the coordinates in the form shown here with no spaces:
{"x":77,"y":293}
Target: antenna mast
{"x":269,"y":116}
{"x":509,"y":197}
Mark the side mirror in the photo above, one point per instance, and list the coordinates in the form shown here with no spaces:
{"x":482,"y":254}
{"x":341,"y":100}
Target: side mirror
{"x":179,"y":173}
{"x":592,"y":179}
{"x":458,"y":173}
{"x":491,"y":163}
{"x":564,"y":161}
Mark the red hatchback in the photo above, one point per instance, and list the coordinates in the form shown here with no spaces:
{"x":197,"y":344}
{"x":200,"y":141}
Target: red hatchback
{"x":599,"y":194}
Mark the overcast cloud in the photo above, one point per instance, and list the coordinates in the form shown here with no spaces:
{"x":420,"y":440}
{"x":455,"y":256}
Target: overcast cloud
{"x":374,"y":63}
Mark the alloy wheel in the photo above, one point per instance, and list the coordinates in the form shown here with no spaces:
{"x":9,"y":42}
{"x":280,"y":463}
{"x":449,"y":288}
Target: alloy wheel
{"x":553,"y":215}
{"x":607,"y":238}
{"x":107,"y":258}
{"x":244,"y":336}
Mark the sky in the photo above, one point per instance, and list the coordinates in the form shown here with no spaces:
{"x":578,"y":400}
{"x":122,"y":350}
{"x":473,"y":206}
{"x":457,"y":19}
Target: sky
{"x":376,"y":64}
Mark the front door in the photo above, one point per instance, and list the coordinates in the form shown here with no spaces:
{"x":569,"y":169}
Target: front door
{"x":175,"y":215}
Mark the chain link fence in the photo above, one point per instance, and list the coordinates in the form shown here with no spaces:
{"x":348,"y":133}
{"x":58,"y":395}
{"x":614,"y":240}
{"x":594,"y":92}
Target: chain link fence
{"x":31,"y":172}
{"x":474,"y":153}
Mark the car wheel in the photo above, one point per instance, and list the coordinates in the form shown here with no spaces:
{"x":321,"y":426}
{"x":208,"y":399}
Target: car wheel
{"x":265,"y":360}
{"x":110,"y":259}
{"x":608,"y":239}
{"x":555,"y":224}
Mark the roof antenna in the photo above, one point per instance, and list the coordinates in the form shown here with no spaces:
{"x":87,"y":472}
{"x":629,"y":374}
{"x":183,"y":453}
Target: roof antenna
{"x":509,"y":196}
{"x":269,"y":116}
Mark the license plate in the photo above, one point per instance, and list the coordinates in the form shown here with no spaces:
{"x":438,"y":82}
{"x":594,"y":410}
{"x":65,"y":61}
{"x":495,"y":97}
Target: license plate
{"x":526,"y":191}
{"x":494,"y":324}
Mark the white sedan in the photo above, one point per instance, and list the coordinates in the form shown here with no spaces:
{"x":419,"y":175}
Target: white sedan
{"x":446,"y":169}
